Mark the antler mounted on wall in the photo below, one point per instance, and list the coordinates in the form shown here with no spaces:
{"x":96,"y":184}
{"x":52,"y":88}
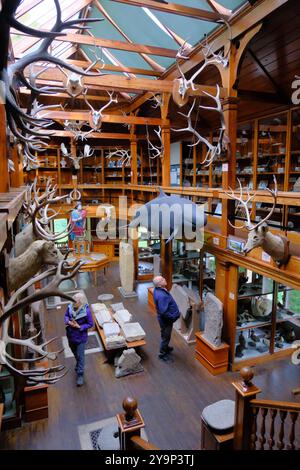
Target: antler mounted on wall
{"x":125,"y":157}
{"x":17,"y":301}
{"x":95,"y":120}
{"x":154,"y":150}
{"x":275,"y":245}
{"x":88,"y":152}
{"x":19,"y":122}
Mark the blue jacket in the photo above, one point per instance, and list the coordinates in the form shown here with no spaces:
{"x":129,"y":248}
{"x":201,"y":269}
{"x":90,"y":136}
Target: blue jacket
{"x":76,"y":335}
{"x":167,"y":309}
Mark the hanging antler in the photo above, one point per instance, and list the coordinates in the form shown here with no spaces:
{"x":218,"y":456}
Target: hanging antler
{"x":96,"y":117}
{"x":276,"y":246}
{"x":182,"y":85}
{"x":75,"y":128}
{"x":18,"y":121}
{"x":157,"y":100}
{"x":88,"y":152}
{"x":124,"y":154}
{"x":157,"y":151}
{"x":16,"y":302}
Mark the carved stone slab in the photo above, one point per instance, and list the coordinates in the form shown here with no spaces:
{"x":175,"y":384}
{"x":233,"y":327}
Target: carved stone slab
{"x":111,"y":329}
{"x":213,"y":309}
{"x":118,"y":306}
{"x":102,"y":317}
{"x":115,"y":341}
{"x":122,"y":317}
{"x":133,"y":331}
{"x":126,"y":265}
{"x":128,"y":363}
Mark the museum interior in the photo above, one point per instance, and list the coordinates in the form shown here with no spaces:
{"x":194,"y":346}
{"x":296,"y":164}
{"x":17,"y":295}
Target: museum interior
{"x":140,"y":141}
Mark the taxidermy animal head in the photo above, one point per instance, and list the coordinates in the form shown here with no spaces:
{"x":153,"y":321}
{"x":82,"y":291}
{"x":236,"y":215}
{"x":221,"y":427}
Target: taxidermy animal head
{"x":259,"y":235}
{"x":171,"y":217}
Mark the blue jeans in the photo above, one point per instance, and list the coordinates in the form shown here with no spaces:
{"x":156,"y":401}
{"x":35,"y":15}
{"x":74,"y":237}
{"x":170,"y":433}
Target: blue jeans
{"x":166,"y":331}
{"x":78,"y":351}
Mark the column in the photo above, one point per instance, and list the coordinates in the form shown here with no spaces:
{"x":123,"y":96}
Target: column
{"x":134,"y":165}
{"x":4,"y":176}
{"x":166,"y":165}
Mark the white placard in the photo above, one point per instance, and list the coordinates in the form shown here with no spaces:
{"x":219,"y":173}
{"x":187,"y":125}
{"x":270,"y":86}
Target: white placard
{"x":265,"y":257}
{"x":231,"y":295}
{"x":225,"y":167}
{"x":216,"y":241}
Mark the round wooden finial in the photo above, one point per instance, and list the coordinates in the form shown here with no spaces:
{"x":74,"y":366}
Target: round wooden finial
{"x":130,"y":406}
{"x":247,"y":375}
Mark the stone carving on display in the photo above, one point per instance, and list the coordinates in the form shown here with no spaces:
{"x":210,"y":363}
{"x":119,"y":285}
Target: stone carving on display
{"x":102,"y":317}
{"x":261,"y":306}
{"x":296,"y":186}
{"x":111,"y":329}
{"x":189,"y":303}
{"x":213,"y":309}
{"x":126,"y":266}
{"x":128,"y":363}
{"x":115,"y":341}
{"x":133,"y":332}
{"x":122,"y":317}
{"x":118,"y":306}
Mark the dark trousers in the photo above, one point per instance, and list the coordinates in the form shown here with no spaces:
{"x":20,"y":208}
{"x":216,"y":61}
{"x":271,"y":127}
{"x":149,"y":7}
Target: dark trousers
{"x":166,"y":332}
{"x":78,"y":351}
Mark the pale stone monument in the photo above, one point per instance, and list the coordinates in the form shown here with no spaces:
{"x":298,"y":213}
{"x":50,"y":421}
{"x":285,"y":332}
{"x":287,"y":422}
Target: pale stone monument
{"x":133,"y":332}
{"x":118,"y":306}
{"x":115,"y":341}
{"x":102,"y":317}
{"x":122,"y":317}
{"x":213,"y":309}
{"x":126,"y":265}
{"x":128,"y":363}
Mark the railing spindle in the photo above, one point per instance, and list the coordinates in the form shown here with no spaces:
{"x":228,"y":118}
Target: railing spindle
{"x":262,"y":438}
{"x":271,"y":440}
{"x":281,"y":444}
{"x":253,"y":436}
{"x":294,"y":417}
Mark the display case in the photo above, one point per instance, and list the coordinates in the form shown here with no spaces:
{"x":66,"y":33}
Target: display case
{"x":244,"y":154}
{"x":268,"y":317}
{"x":186,"y":264}
{"x":294,"y":169}
{"x":148,"y":255}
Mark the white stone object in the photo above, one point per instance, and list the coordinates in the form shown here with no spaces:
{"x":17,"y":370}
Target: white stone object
{"x":115,"y":341}
{"x":133,"y":331}
{"x":126,"y":265}
{"x":122,"y":316}
{"x":111,"y":329}
{"x":97,"y":307}
{"x":128,"y":363}
{"x":181,"y":298}
{"x":103,"y":317}
{"x":213,"y":309}
{"x":118,"y":306}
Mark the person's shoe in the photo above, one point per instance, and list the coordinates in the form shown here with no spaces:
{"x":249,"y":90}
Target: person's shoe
{"x":165,"y":358}
{"x":170,"y":349}
{"x":79,"y":381}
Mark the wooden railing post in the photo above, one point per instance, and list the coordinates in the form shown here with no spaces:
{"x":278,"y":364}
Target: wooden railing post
{"x":245,"y":392}
{"x":130,"y":423}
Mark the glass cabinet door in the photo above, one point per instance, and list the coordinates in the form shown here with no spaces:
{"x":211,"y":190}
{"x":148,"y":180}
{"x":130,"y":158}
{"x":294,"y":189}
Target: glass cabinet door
{"x":287,"y":317}
{"x":244,"y":154}
{"x":294,"y":170}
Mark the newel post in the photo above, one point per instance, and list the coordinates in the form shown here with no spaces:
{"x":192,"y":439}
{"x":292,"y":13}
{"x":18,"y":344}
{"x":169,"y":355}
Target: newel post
{"x":245,"y":392}
{"x":130,"y":423}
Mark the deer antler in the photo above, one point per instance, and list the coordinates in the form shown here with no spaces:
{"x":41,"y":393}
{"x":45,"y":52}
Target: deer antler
{"x":61,"y":273}
{"x":124,"y":154}
{"x":158,"y":151}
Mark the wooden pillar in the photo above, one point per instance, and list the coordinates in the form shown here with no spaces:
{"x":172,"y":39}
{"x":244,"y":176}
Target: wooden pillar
{"x":130,"y":423}
{"x":4,"y":176}
{"x":166,"y":161}
{"x":166,"y":261}
{"x":245,"y":392}
{"x":134,"y":163}
{"x":15,"y":178}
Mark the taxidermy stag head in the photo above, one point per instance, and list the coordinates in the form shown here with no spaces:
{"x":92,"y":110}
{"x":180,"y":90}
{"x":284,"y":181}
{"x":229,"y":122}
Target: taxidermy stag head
{"x":21,"y":299}
{"x":88,"y":152}
{"x":259,"y":235}
{"x":96,"y":117}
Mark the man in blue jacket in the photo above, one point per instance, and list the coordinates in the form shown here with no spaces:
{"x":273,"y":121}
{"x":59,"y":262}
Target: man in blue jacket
{"x":167,"y":314}
{"x":78,"y":319}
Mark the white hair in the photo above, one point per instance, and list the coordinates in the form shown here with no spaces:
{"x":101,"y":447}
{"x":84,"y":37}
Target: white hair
{"x":157,"y":281}
{"x":80,"y":298}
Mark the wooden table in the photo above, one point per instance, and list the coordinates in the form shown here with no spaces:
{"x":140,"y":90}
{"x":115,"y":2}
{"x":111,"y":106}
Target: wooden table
{"x":91,"y":265}
{"x":111,"y":353}
{"x":1,"y":413}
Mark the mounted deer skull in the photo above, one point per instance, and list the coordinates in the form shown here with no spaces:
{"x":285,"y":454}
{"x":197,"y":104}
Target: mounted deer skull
{"x":96,"y":117}
{"x":259,"y":235}
{"x":88,"y":152}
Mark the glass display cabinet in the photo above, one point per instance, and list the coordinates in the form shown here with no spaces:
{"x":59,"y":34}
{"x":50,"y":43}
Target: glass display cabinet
{"x":268,"y":317}
{"x":186,"y":263}
{"x":148,"y":255}
{"x":244,"y":154}
{"x":294,"y":170}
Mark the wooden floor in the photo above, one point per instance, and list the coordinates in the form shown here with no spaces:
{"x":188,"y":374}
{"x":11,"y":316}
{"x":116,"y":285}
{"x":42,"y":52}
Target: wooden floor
{"x":170,"y":396}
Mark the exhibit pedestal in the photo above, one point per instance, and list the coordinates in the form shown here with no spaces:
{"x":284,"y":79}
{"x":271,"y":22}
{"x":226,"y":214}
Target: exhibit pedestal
{"x":213,"y":358}
{"x":127,"y":294}
{"x":151,"y":299}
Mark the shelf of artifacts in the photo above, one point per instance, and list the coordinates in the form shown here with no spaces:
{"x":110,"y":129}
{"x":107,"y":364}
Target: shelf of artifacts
{"x":148,"y":255}
{"x":148,"y":170}
{"x":262,"y":332}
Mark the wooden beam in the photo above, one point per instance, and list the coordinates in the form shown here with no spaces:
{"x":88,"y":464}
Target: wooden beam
{"x":261,"y":96}
{"x":111,"y":118}
{"x":175,"y":9}
{"x":101,"y":98}
{"x":119,"y":83}
{"x":27,"y":6}
{"x":96,"y":135}
{"x":4,"y":176}
{"x":68,"y":13}
{"x":154,"y":65}
{"x":109,"y":44}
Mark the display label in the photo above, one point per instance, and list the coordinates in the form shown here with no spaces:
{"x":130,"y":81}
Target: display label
{"x":265,"y":257}
{"x":216,"y":241}
{"x":231,"y":295}
{"x":225,"y":167}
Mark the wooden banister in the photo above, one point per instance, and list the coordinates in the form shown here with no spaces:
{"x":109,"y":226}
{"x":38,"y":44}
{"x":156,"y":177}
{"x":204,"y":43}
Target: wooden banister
{"x":140,"y":444}
{"x":276,"y":405}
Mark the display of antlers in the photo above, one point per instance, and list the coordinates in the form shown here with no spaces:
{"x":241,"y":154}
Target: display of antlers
{"x":88,"y":152}
{"x":125,"y":157}
{"x":96,"y":117}
{"x":155,"y":151}
{"x":182,"y":85}
{"x":44,"y":375}
{"x":22,"y":125}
